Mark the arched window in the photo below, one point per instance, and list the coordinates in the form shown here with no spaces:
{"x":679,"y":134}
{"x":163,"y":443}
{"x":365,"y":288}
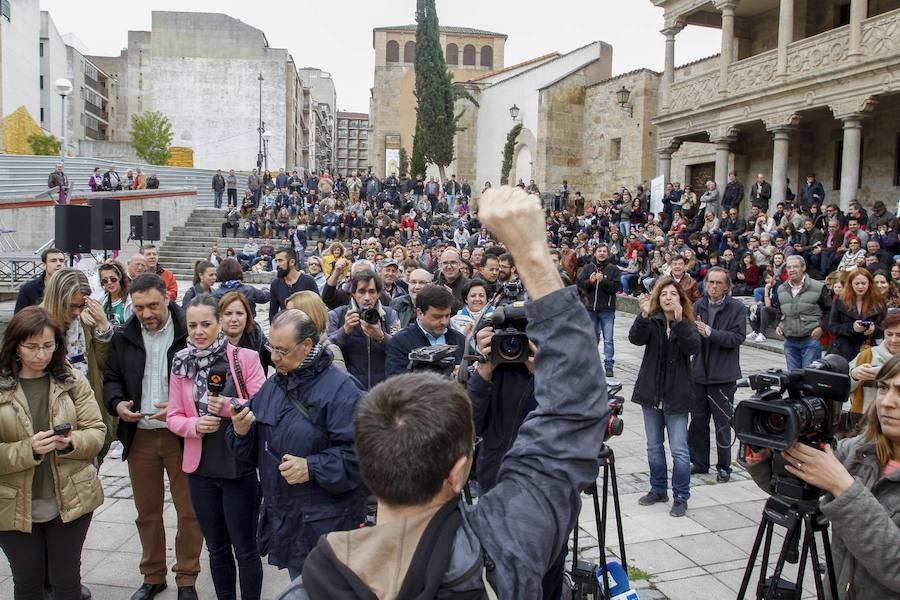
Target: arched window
{"x":469,"y":55}
{"x":487,"y":56}
{"x":452,"y":54}
{"x":409,"y":52}
{"x":393,"y":51}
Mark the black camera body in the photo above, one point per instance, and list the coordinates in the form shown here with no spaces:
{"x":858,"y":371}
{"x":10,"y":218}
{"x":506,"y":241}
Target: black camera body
{"x":370,"y":315}
{"x":510,"y":292}
{"x":803,"y":405}
{"x":509,"y":346}
{"x":439,"y":359}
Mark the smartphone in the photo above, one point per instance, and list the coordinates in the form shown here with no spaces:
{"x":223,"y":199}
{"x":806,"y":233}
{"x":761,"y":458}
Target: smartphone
{"x":866,"y":324}
{"x":236,"y":406}
{"x":62,"y":429}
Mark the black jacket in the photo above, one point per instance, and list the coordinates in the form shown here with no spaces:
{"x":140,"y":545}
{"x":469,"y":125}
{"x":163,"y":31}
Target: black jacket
{"x":666,"y":368}
{"x":719,"y":358}
{"x":31,"y":293}
{"x":734,"y":193}
{"x":124,"y":375}
{"x":412,"y":337}
{"x":602,"y":296}
{"x":847,"y":341}
{"x":405,"y":308}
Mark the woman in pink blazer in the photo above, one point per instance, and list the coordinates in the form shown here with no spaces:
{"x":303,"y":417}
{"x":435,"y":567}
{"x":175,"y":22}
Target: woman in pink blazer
{"x":224,"y":490}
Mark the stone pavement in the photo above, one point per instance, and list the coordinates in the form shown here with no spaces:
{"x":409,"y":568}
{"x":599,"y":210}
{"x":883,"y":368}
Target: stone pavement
{"x":697,"y":557}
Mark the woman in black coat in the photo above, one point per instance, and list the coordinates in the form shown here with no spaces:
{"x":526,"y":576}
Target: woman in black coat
{"x":856,"y":316}
{"x":666,"y":329}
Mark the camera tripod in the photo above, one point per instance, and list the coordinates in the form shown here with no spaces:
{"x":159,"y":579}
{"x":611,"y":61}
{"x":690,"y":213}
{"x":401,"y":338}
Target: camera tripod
{"x":802,"y":521}
{"x":580,"y":572}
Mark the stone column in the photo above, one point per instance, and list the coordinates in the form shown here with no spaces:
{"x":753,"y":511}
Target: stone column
{"x":850,"y":158}
{"x":669,"y":70}
{"x":785,"y":34}
{"x":859,"y":10}
{"x":723,"y":154}
{"x":664,"y":163}
{"x":727,"y":7}
{"x":779,"y":164}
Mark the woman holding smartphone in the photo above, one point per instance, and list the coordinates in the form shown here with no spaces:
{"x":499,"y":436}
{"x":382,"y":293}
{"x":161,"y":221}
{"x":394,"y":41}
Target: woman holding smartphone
{"x":856,"y":315}
{"x":210,"y":379}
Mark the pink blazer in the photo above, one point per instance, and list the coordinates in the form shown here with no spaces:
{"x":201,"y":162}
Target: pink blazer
{"x":182,"y":417}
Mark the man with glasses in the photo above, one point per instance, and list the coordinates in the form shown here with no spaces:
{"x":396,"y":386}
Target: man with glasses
{"x":32,"y":292}
{"x":406,"y":305}
{"x":721,"y":322}
{"x":451,"y":276}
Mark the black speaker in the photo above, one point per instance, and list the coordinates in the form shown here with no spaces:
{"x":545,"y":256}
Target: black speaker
{"x":135,"y":227}
{"x":73,"y":228}
{"x":151,"y":225}
{"x":106,"y":227}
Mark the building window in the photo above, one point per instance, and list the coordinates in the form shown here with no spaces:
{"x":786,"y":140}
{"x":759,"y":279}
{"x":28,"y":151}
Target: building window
{"x":469,"y":55}
{"x":409,"y":52}
{"x":42,"y":81}
{"x":41,"y":49}
{"x":4,"y":9}
{"x":42,"y":114}
{"x":452,"y":54}
{"x":393,"y":51}
{"x":487,"y":56}
{"x":615,"y":149}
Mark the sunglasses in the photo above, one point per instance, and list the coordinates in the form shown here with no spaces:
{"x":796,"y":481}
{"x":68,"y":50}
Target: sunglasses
{"x":106,"y":280}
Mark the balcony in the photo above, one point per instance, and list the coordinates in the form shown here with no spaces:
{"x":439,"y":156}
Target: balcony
{"x":95,"y":85}
{"x":94,"y":134}
{"x":96,"y":112}
{"x":808,"y":60}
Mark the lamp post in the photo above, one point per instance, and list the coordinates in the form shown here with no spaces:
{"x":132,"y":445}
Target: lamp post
{"x":260,"y":129}
{"x":514,"y":112}
{"x":63,"y":87}
{"x":622,"y":97}
{"x":266,"y":136}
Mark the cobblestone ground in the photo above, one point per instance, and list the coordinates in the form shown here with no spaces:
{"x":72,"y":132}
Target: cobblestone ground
{"x":700,"y":556}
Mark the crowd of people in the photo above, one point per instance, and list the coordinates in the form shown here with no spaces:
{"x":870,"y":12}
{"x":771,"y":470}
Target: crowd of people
{"x":367,"y":271}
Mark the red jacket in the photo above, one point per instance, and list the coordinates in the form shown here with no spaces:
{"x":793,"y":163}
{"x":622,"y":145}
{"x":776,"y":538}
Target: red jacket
{"x":171,"y":284}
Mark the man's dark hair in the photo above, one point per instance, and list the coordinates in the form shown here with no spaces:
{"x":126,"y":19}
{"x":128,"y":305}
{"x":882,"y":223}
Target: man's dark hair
{"x":146,"y":282}
{"x":147,"y":247}
{"x":508,"y":258}
{"x":678,"y":257}
{"x":411,"y":263}
{"x":290,"y":254}
{"x":436,"y":296}
{"x":364,"y":277}
{"x":410,"y":430}
{"x":495,"y":251}
{"x":229,"y":269}
{"x":486,"y":257}
{"x":48,"y":252}
{"x":304,"y":327}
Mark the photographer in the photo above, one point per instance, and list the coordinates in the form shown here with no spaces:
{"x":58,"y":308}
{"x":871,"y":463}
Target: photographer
{"x":414,"y":438}
{"x":433,"y":306}
{"x":862,"y":480}
{"x":363,"y":329}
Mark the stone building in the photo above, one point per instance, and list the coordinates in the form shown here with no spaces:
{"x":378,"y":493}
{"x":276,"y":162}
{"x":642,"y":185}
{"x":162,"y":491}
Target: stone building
{"x":469,"y":53}
{"x":321,"y":109}
{"x":800,"y":87}
{"x":352,"y":142}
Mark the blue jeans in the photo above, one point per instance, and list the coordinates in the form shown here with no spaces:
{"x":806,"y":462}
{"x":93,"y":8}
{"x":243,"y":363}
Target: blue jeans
{"x":604,"y":326}
{"x":656,"y":426}
{"x":800,"y":353}
{"x":627,"y":280}
{"x":217,"y":198}
{"x":228,"y":512}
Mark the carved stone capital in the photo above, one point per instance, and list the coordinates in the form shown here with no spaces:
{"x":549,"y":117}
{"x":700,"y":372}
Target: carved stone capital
{"x":725,"y":134}
{"x":783,"y":120}
{"x":672,"y":28}
{"x":726,"y":5}
{"x":853,"y":108}
{"x":671,"y":144}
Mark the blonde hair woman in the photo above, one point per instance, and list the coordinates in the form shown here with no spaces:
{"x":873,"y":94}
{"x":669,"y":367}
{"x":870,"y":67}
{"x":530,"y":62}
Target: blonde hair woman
{"x":315,"y":309}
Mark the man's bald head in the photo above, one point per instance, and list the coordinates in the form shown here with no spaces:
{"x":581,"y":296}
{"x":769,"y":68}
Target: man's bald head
{"x":417,"y":280}
{"x":450,"y":263}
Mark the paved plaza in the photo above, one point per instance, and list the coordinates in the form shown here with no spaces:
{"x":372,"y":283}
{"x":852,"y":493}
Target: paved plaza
{"x":697,"y":557}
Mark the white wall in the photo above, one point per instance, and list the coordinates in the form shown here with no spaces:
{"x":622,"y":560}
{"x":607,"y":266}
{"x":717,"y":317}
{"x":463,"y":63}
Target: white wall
{"x":53,"y":66}
{"x":21,"y":61}
{"x":494,"y":121}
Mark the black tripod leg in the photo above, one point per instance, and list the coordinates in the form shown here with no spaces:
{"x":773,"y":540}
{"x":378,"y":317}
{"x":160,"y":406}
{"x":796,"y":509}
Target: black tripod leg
{"x":764,"y":563}
{"x":601,"y":528}
{"x":829,"y":562}
{"x":748,"y":572}
{"x":789,"y":539}
{"x":618,"y":510}
{"x":810,"y":542}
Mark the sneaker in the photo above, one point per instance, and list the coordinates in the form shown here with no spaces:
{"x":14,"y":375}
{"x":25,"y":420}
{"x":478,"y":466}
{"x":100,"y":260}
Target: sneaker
{"x":652,"y":498}
{"x":609,"y":372}
{"x":751,"y":336}
{"x":723,"y":475}
{"x":760,"y":337}
{"x":679,"y":508}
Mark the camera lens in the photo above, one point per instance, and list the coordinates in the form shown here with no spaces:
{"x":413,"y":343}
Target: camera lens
{"x":511,"y":348}
{"x":775,"y":423}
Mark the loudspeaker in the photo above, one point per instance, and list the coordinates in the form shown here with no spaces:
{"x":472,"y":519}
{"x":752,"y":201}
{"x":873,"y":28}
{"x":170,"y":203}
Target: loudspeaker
{"x":151,"y":225}
{"x":106,"y":228}
{"x":72,"y":228}
{"x":135,"y":227}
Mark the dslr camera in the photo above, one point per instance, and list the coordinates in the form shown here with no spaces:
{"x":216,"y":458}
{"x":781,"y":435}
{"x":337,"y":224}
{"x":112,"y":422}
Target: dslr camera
{"x":802,"y":405}
{"x":370,"y":315}
{"x":509,"y":346}
{"x":439,"y":359}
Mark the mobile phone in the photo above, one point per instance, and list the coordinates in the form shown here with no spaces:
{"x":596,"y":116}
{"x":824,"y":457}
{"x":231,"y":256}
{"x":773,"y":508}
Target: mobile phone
{"x":62,"y":429}
{"x":236,"y":406}
{"x":866,"y":324}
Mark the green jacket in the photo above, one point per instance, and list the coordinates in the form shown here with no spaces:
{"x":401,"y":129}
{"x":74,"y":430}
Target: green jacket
{"x":807,"y":310}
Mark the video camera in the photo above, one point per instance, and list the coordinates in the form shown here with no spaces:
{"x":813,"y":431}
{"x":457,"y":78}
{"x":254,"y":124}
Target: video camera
{"x":802,"y":405}
{"x":439,"y":359}
{"x":509,"y":345}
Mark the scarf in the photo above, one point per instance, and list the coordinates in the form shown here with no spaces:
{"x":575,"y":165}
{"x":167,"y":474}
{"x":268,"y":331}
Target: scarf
{"x":194,"y":364}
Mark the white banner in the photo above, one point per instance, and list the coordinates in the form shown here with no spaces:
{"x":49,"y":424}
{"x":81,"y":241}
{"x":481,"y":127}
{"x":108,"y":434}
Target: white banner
{"x":392,"y":162}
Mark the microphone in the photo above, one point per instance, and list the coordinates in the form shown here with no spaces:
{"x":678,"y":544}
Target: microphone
{"x":215,"y":382}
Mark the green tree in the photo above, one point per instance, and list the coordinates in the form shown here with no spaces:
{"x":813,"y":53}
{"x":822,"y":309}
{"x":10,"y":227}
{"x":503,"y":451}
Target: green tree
{"x":508,"y":150}
{"x":44,"y":144}
{"x":151,"y":135}
{"x":417,"y":165}
{"x":404,"y":161}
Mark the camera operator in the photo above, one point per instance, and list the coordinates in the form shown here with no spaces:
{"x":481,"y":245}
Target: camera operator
{"x":414,"y":439}
{"x":363,"y":328}
{"x":861,"y":478}
{"x":721,"y":323}
{"x":430,"y":328}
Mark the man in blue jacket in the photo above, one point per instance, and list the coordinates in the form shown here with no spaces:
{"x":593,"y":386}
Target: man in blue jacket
{"x":434,"y":305}
{"x":415,"y":438}
{"x":721,"y":322}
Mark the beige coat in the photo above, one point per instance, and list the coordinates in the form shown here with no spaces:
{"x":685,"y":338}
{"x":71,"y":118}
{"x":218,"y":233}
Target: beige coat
{"x":77,"y":485}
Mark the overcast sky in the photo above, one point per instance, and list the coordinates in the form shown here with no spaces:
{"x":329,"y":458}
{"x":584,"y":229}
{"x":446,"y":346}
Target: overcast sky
{"x":336,"y":35}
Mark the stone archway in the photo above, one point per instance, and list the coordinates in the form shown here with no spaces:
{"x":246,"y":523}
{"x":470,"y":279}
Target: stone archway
{"x":523,"y":158}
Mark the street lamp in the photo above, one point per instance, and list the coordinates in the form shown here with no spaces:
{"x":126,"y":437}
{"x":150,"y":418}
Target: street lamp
{"x":266,"y":136}
{"x":514,"y":112}
{"x":260,"y":129}
{"x":622,"y":97}
{"x":63,"y":87}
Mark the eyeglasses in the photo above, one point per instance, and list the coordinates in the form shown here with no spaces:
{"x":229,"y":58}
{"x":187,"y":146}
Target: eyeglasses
{"x":77,"y":306}
{"x":278,"y":351}
{"x":36,"y":349}
{"x":109,"y":280}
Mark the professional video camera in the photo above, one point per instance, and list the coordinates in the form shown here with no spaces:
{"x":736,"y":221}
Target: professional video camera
{"x":809,"y":413}
{"x":510,"y":342}
{"x":370,"y":315}
{"x":510,"y":292}
{"x":439,"y":359}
